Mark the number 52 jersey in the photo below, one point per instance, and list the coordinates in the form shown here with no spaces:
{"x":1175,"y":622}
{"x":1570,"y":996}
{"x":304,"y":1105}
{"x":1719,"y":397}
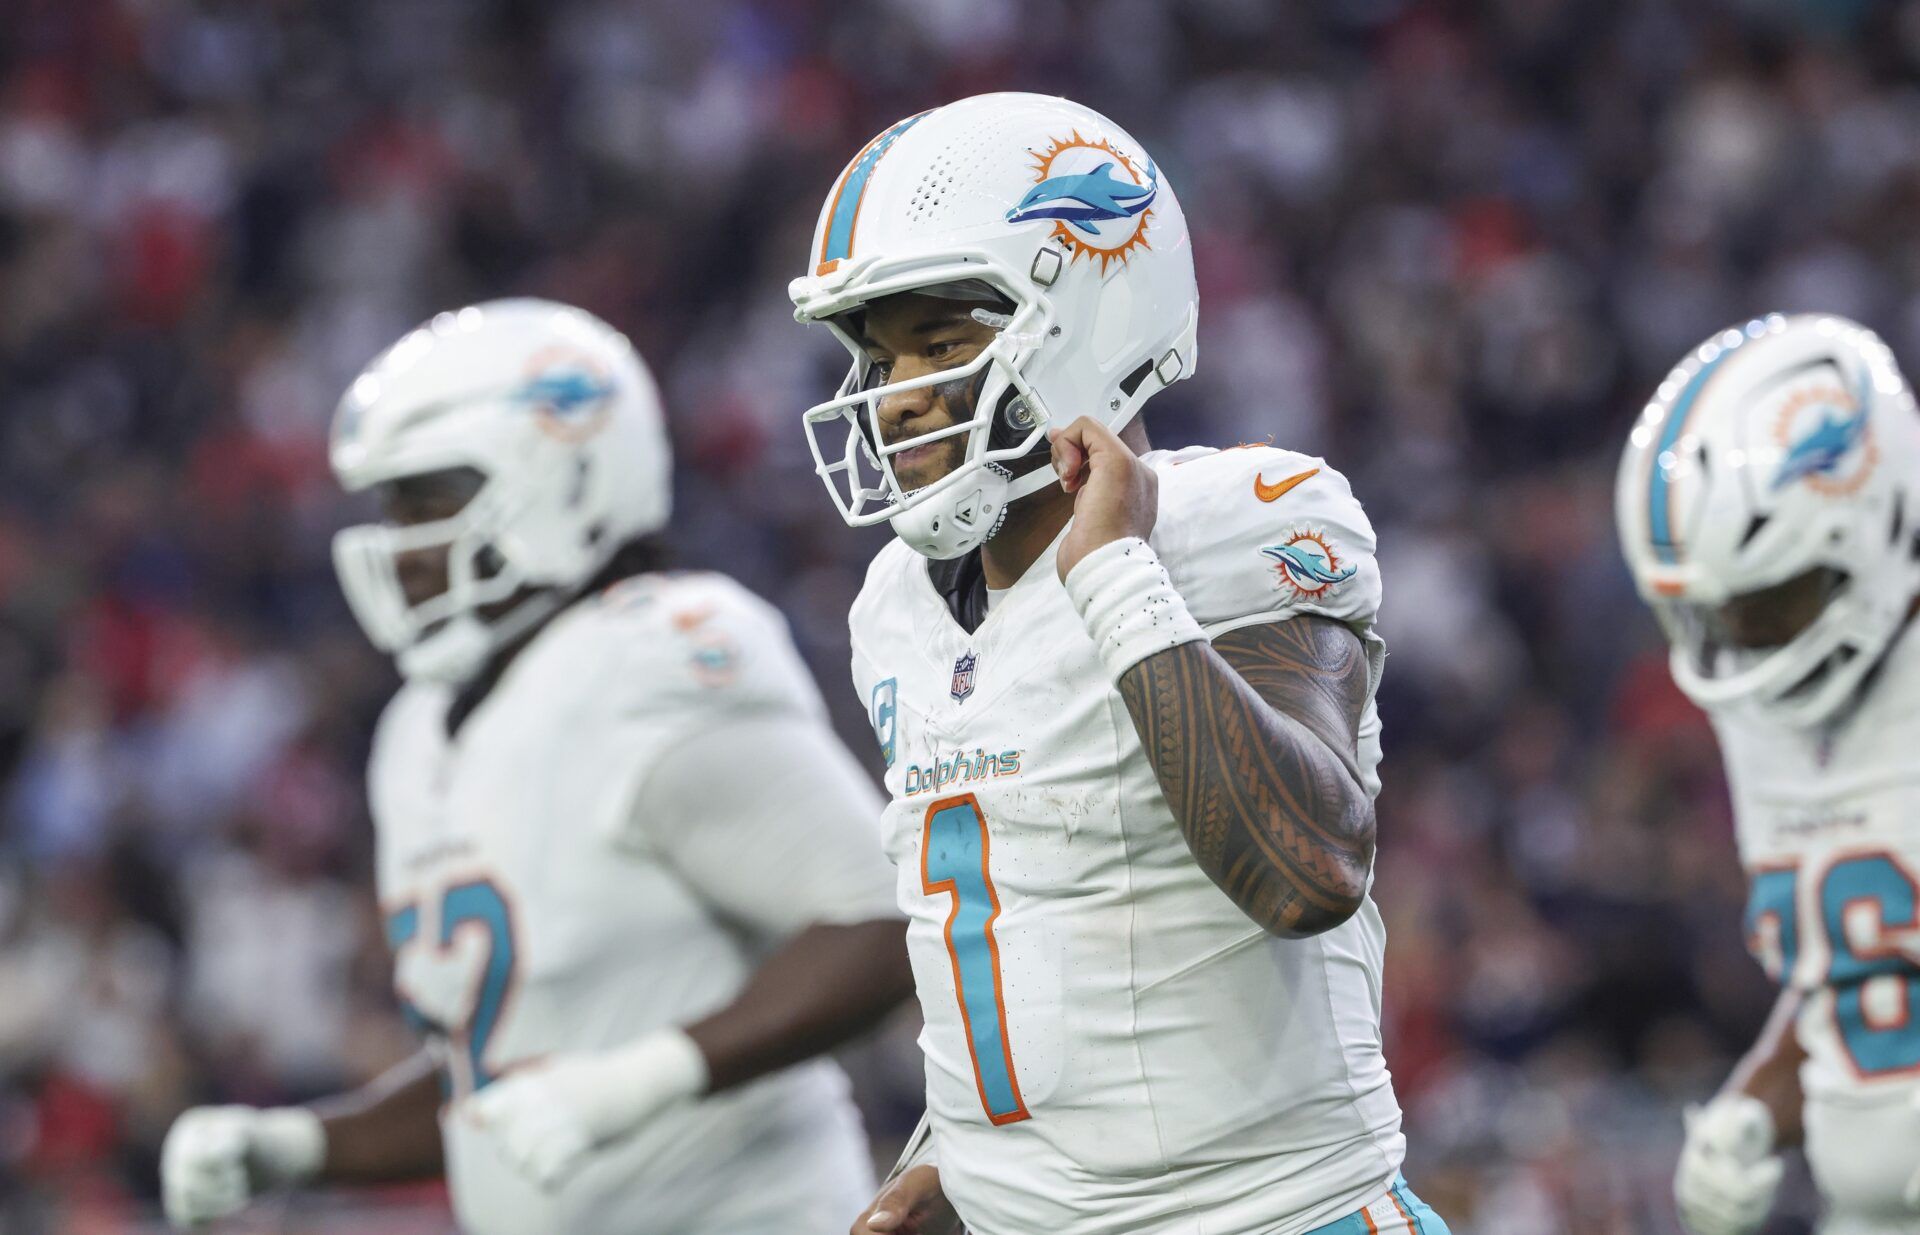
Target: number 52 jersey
{"x":1110,"y":1044}
{"x":583,"y":863}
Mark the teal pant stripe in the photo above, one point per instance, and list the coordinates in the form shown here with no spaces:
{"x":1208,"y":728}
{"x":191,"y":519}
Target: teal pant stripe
{"x":1425,"y":1221}
{"x":1352,"y":1224}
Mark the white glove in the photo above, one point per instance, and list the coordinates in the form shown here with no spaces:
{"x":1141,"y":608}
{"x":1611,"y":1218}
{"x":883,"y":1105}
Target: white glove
{"x":217,"y":1158}
{"x":1728,"y":1171}
{"x":550,"y":1114}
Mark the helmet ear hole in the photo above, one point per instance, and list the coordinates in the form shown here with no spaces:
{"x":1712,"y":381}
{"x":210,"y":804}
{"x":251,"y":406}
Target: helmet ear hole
{"x":488,"y":562}
{"x":1013,"y":419}
{"x":1009,"y":412}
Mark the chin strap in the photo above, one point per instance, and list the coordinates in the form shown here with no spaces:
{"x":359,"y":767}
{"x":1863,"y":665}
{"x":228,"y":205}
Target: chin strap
{"x":1031,"y":483}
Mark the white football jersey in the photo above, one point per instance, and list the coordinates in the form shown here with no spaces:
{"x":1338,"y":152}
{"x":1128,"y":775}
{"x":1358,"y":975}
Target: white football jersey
{"x":1829,"y":831}
{"x":554,"y":879}
{"x":1110,"y":1044}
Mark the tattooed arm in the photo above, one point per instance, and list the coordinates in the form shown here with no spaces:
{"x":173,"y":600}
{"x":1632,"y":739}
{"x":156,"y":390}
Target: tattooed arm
{"x":1255,"y":740}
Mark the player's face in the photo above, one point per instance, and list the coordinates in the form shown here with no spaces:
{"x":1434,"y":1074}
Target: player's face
{"x":1773,"y":617}
{"x":911,"y":335}
{"x":426,"y":498}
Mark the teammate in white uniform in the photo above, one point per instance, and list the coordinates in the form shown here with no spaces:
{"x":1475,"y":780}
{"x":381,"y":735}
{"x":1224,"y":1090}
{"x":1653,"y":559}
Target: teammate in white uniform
{"x":624,"y":863}
{"x":1136,"y":865}
{"x":1769,"y":502}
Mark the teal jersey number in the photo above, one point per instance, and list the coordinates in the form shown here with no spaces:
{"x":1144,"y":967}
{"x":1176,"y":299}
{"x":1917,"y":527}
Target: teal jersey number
{"x":953,"y":861}
{"x":476,"y":902}
{"x":1773,"y":924}
{"x":1872,"y":894}
{"x":1872,"y":884}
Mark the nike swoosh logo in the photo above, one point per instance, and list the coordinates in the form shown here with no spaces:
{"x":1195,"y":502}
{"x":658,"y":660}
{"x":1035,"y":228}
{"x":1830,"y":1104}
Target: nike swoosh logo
{"x":1273,"y":493}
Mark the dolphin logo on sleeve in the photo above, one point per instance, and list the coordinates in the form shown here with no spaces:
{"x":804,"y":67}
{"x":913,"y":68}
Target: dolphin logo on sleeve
{"x":1307,"y":562}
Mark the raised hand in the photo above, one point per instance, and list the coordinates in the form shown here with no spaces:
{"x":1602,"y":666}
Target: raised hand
{"x":1116,"y":495}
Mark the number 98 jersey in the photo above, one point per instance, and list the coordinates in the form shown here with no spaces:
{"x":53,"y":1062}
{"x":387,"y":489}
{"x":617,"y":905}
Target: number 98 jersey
{"x":1110,"y":1044}
{"x":1829,"y":831}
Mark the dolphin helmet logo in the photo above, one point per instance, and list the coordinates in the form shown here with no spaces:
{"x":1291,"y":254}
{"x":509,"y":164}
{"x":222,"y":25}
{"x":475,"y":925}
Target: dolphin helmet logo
{"x":1098,"y":199}
{"x":1821,"y":450}
{"x":1825,"y":447}
{"x":1095,"y":195}
{"x":568,"y":393}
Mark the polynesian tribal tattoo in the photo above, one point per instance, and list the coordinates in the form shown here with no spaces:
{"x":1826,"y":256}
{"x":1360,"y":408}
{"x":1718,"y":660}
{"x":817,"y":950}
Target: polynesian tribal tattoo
{"x":1254,"y":739}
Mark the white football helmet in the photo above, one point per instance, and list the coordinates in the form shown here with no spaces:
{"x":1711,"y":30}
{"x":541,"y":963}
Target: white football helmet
{"x":1057,"y":210}
{"x":1776,"y":449}
{"x":560,"y":417}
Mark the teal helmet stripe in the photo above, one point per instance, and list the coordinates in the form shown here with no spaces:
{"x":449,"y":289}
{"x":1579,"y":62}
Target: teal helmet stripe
{"x":1659,"y":490}
{"x":846,"y":201}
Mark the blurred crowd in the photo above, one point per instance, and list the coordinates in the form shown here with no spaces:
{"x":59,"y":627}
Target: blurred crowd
{"x":1449,"y":244}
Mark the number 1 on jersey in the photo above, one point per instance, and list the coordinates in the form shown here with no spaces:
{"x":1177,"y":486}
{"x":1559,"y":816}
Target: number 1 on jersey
{"x":953,"y":860}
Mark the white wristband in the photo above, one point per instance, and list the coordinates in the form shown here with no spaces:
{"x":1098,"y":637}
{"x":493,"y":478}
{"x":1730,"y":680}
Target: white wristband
{"x":287,"y":1145}
{"x":642,"y":1077}
{"x":1129,"y":605}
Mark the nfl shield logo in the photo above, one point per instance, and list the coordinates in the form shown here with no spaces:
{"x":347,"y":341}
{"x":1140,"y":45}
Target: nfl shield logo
{"x":963,"y":677}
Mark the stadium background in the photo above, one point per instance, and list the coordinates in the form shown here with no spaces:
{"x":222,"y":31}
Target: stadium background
{"x":1451,"y":246}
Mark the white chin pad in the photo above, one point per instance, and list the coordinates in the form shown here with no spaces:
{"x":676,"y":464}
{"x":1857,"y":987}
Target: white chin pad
{"x":959,"y":520}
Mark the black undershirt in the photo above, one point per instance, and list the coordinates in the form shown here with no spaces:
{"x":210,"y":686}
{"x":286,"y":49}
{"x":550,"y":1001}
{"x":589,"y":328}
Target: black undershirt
{"x":962,"y":583}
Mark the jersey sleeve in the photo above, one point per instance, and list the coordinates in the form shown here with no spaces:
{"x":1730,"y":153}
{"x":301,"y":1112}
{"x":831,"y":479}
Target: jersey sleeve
{"x":727,"y":769}
{"x":1259,"y":534}
{"x":791,"y":840}
{"x":674,"y":660}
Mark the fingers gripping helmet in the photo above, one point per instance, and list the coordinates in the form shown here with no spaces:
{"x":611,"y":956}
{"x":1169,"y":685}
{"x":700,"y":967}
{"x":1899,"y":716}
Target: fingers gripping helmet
{"x":1785,"y":446}
{"x":558,"y":415}
{"x":1060,"y":214}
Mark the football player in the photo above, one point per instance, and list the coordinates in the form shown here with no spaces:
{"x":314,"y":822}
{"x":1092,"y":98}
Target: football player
{"x":632,"y":883}
{"x":1126,"y":700}
{"x":1767,"y":506}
